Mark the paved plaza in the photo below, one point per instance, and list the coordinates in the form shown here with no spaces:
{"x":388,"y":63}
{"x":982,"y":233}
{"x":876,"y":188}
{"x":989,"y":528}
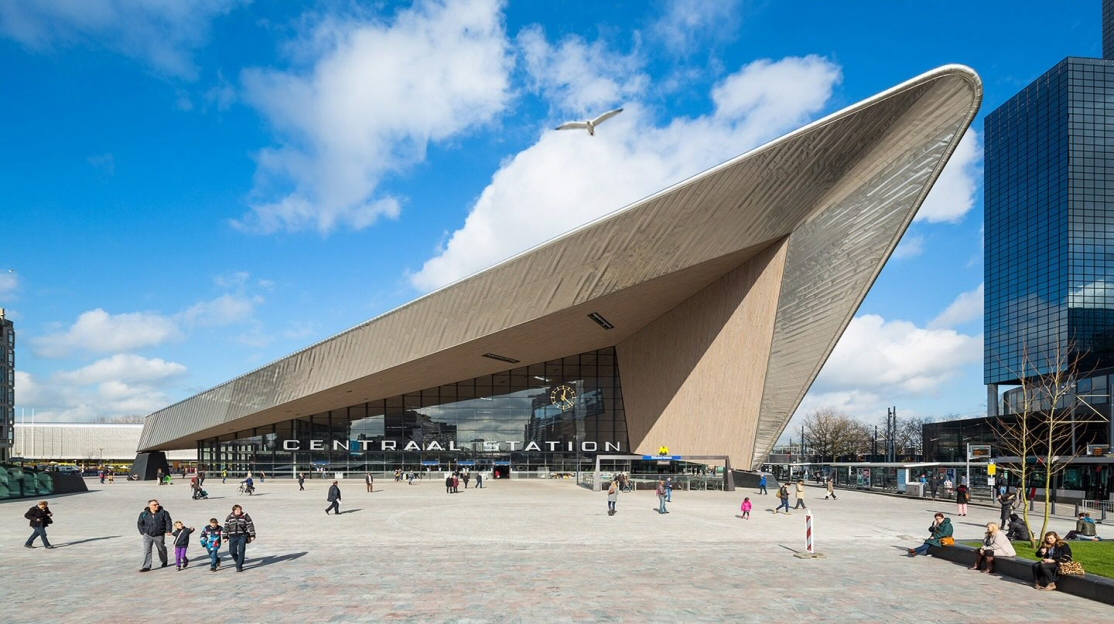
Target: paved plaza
{"x":516,"y":551}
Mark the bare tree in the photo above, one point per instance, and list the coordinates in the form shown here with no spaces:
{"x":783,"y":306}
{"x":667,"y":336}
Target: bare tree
{"x":119,"y":420}
{"x":832,"y":433}
{"x":1044,"y":422}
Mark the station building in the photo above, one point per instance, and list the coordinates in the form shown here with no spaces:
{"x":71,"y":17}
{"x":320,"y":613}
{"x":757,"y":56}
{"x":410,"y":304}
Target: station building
{"x":693,"y":320}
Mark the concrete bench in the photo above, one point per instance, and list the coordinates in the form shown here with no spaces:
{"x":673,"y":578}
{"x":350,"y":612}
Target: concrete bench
{"x":1090,"y":586}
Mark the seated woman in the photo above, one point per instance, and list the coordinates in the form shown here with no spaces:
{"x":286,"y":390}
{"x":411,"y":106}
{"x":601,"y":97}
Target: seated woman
{"x":1051,"y":553}
{"x":940,"y":530}
{"x":994,"y":545}
{"x":1018,"y":530}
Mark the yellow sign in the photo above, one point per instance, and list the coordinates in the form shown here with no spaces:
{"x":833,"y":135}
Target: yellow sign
{"x":991,"y":470}
{"x":664,"y":450}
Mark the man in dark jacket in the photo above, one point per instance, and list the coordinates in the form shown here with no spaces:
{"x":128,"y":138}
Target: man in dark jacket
{"x":154,"y":525}
{"x":334,"y":499}
{"x":40,"y":518}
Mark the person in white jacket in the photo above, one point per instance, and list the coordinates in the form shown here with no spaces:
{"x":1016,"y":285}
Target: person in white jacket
{"x":995,"y":544}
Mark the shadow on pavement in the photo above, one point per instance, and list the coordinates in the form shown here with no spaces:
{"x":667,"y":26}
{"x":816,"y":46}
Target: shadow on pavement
{"x":91,"y":539}
{"x":263,"y":561}
{"x":350,"y":511}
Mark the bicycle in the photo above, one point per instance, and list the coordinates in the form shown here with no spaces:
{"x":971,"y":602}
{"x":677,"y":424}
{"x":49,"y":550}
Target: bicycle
{"x":244,"y":487}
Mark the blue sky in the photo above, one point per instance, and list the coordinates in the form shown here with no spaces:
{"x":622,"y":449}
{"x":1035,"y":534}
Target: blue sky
{"x":195,"y":189}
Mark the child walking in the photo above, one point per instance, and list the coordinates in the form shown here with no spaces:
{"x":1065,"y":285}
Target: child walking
{"x":210,"y":541}
{"x":746,"y":508}
{"x":181,"y":543}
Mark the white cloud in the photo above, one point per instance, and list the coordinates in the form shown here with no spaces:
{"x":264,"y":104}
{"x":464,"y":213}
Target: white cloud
{"x":577,"y":76}
{"x":687,"y":25}
{"x":98,"y":331}
{"x":954,"y":193}
{"x":160,"y":33}
{"x":1095,"y":294}
{"x":555,"y":185}
{"x":967,"y":307}
{"x":226,"y":309}
{"x":104,"y":162}
{"x":9,"y":281}
{"x":897,"y":357}
{"x":115,"y":386}
{"x":376,"y":96}
{"x":122,"y":367}
{"x":910,"y":246}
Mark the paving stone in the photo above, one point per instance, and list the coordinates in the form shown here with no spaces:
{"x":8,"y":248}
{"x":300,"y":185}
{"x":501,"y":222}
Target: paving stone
{"x":515,"y":551}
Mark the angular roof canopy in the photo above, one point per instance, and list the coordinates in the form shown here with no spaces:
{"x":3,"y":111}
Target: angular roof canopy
{"x":832,"y":198}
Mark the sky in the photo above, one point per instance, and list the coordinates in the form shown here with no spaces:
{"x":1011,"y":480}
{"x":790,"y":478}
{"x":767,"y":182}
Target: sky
{"x":195,"y":189}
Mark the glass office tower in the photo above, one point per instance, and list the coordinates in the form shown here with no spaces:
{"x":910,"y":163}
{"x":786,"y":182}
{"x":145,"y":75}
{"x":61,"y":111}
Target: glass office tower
{"x":7,"y":386}
{"x":1049,"y":200}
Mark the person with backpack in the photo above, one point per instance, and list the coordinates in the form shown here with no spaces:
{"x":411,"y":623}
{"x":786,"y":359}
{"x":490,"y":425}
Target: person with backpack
{"x":783,"y":498}
{"x":239,"y":530}
{"x":210,"y":541}
{"x":154,"y":525}
{"x":40,"y":517}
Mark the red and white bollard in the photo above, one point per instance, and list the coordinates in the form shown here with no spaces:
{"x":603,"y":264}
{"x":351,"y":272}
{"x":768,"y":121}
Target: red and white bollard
{"x":808,"y":534}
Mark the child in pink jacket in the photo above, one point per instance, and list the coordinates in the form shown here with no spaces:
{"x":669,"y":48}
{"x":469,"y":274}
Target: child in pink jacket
{"x":745,"y":509}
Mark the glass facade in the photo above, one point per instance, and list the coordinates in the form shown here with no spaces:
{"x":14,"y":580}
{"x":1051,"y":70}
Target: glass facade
{"x":538,"y":419}
{"x":7,"y":387}
{"x":1049,"y":199}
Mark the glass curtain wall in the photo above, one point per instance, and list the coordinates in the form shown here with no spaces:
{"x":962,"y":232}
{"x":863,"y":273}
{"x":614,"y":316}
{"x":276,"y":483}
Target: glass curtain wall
{"x":535,"y":420}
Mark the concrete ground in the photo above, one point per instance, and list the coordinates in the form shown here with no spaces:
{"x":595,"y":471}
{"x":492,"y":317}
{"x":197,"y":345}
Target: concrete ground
{"x":516,"y":551}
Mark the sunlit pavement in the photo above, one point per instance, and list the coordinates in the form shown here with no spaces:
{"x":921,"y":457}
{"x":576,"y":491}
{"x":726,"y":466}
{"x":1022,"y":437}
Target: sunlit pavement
{"x":522,"y":550}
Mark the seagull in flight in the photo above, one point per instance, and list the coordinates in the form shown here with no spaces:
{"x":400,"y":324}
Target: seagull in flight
{"x":591,"y":124}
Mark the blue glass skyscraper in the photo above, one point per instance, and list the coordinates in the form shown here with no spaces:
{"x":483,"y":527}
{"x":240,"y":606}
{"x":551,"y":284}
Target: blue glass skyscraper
{"x":1049,"y":201}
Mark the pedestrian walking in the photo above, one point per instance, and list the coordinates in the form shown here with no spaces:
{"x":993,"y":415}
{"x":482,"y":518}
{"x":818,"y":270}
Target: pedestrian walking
{"x":239,"y":530}
{"x":800,"y":495}
{"x":661,"y":498}
{"x":466,"y":478}
{"x":158,"y":475}
{"x":934,"y":485}
{"x":762,"y":485}
{"x":830,"y":489}
{"x":669,"y":490}
{"x":111,"y":475}
{"x":449,"y":484}
{"x":262,"y":477}
{"x":370,"y":481}
{"x":301,"y":481}
{"x":479,"y":480}
{"x":961,"y":499}
{"x":456,"y":484}
{"x":783,"y":498}
{"x":612,"y":497}
{"x":154,"y":525}
{"x":102,"y":476}
{"x":745,"y":508}
{"x":40,"y":517}
{"x":224,"y":476}
{"x":334,"y":499}
{"x":210,"y":541}
{"x":181,"y":545}
{"x":1006,"y":501}
{"x":410,"y":481}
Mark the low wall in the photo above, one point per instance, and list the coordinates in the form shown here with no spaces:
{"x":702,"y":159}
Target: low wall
{"x":1090,"y":586}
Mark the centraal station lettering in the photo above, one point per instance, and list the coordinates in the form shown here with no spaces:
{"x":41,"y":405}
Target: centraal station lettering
{"x":488,"y":447}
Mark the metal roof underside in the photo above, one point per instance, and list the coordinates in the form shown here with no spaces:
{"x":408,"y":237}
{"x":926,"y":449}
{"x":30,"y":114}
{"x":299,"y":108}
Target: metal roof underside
{"x":843,"y":189}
